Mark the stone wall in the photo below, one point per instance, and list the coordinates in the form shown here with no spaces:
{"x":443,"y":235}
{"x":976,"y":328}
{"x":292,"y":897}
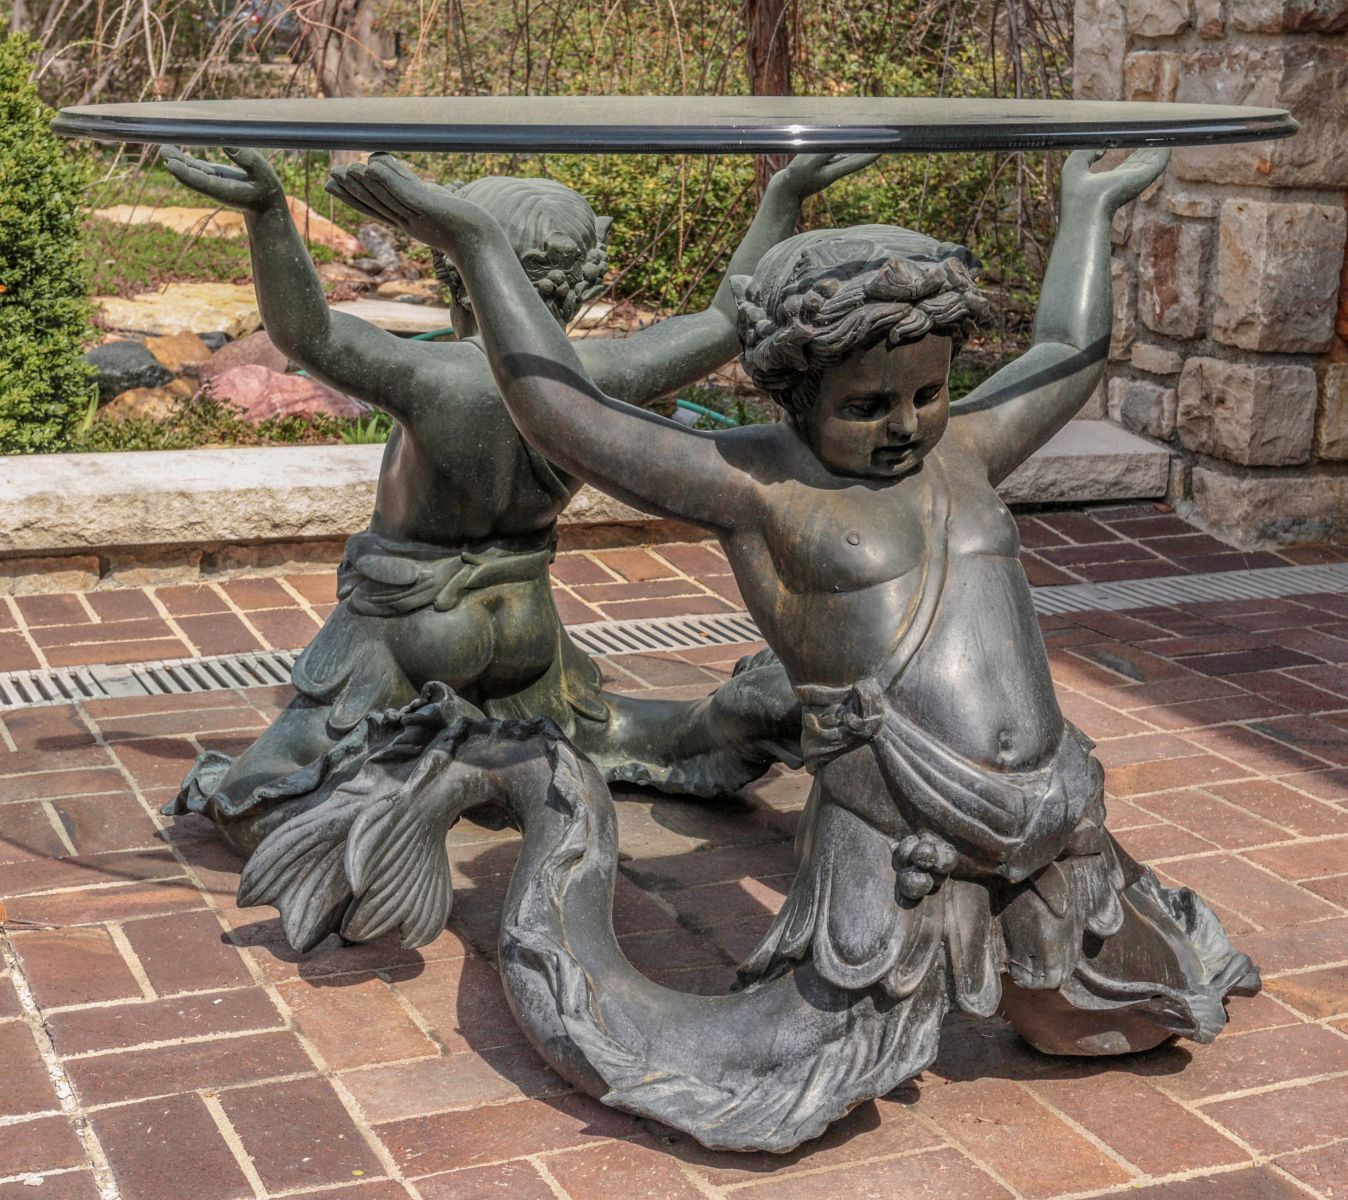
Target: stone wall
{"x":1230,"y":277}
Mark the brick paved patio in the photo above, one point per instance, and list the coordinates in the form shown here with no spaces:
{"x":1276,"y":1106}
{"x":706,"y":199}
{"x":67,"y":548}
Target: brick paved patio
{"x":157,"y":1042}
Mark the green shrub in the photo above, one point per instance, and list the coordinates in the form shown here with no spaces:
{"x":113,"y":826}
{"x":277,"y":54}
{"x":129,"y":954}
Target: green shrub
{"x":45,"y":386}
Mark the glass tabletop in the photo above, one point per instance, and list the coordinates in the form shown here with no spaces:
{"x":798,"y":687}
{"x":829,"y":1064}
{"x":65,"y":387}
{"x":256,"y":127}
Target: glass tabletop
{"x":671,"y":124}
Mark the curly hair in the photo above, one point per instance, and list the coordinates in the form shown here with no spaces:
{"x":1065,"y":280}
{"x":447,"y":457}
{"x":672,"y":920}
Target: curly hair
{"x":554,"y":233}
{"x":820,"y":296}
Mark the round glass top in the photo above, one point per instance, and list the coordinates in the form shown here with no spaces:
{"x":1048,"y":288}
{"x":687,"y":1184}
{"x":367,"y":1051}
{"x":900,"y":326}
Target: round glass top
{"x":671,"y":124}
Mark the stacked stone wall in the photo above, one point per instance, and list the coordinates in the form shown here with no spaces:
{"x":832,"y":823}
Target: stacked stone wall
{"x":1230,"y":340}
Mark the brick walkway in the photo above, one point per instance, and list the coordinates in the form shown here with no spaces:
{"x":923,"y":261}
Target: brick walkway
{"x":159,"y":1040}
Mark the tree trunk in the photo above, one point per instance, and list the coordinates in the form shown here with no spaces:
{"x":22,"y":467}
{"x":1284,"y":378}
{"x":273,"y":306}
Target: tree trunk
{"x":768,"y":49}
{"x":353,"y":51}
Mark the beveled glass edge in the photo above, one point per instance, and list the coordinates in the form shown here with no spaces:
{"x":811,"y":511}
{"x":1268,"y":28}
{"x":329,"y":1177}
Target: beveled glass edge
{"x":686,"y":139}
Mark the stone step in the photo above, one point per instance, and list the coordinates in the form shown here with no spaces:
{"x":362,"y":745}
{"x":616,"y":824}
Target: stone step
{"x":1089,"y":461}
{"x":88,"y":503}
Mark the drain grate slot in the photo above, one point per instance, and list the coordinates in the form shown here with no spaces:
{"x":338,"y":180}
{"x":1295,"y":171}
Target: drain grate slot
{"x":34,"y":689}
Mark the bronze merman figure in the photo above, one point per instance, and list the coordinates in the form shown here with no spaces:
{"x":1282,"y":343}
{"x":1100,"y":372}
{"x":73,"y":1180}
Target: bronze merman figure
{"x":952,"y":853}
{"x":450,"y":580}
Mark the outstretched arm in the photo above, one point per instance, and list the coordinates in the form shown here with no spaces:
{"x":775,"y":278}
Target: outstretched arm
{"x":679,"y":351}
{"x":636,"y":456}
{"x":345,"y":352}
{"x":1010,"y":416}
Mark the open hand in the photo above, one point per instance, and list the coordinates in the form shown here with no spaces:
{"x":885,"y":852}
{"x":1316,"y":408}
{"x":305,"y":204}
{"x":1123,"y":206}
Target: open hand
{"x":807,"y":174}
{"x":390,"y":191}
{"x":1113,"y":188}
{"x":250,"y":185}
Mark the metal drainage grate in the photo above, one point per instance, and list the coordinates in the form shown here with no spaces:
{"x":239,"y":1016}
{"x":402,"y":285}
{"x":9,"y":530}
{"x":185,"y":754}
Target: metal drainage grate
{"x":33,"y":689}
{"x":664,"y":633}
{"x":1267,"y":583}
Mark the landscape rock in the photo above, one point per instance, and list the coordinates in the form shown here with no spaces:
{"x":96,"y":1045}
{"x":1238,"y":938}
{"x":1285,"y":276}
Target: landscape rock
{"x":229,"y":224}
{"x":1124,"y":326}
{"x":379,"y":243}
{"x":230,"y":307}
{"x":1189,"y":204}
{"x":261,"y":394}
{"x":257,"y":349}
{"x":181,"y":353}
{"x":1156,"y":360}
{"x":335,"y":272}
{"x":1158,"y":18}
{"x":1209,"y":18}
{"x":419,"y":291}
{"x":1144,"y":407}
{"x":397,"y":318}
{"x":316,"y":228}
{"x":123,"y":365}
{"x":1255,"y":414}
{"x":1099,"y":38}
{"x":1088,"y":461}
{"x":1254,"y":509}
{"x":151,"y":404}
{"x":1331,"y":429}
{"x":1278,"y":271}
{"x":1309,"y":79}
{"x":1290,"y":16}
{"x":1151,"y":75}
{"x":1172,"y":265}
{"x":215,"y":339}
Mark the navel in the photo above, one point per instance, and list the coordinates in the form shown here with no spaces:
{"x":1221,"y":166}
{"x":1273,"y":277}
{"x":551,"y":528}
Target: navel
{"x":854,"y":538}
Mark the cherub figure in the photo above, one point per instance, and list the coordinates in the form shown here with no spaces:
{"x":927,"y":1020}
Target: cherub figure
{"x":953,"y":849}
{"x":450,"y":580}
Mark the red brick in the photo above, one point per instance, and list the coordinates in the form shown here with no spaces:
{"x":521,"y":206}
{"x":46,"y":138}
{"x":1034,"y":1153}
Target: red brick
{"x":1258,"y":1183}
{"x":635,"y":565}
{"x":88,"y":906}
{"x":1121,"y":752}
{"x":298,"y":1134}
{"x":1160,"y":842}
{"x":1316,"y":993}
{"x":43,"y":1144}
{"x":606,"y":593}
{"x":995,"y":1120}
{"x":1253,"y":1060}
{"x":157,"y":762}
{"x":262,"y":593}
{"x":106,"y":1078}
{"x":1076,"y":527}
{"x":27,"y":833}
{"x":1325,"y":1170}
{"x":27,"y":1087}
{"x":123,"y":604}
{"x":572,"y":611}
{"x":58,"y":609}
{"x":317,"y":587}
{"x":122,"y":1026}
{"x":68,"y":1185}
{"x":120,"y":631}
{"x":934,"y":1175}
{"x":1196,"y":770}
{"x":186,"y":952}
{"x":506,"y":1181}
{"x":1221,"y":824}
{"x":623,"y":1169}
{"x":10,"y":1008}
{"x":326,"y":1013}
{"x":229,"y":712}
{"x":332,"y":958}
{"x":191,"y":599}
{"x":107,"y":823}
{"x":378,"y":1189}
{"x":1284,"y":806}
{"x":219,"y":633}
{"x":1200,"y":714}
{"x":1099,"y":720}
{"x":1333,"y":888}
{"x":430,"y":1145}
{"x":462,"y":1001}
{"x":111,"y":653}
{"x":169,"y":1148}
{"x":22,"y":782}
{"x":1299,"y":946}
{"x":1287,"y":1119}
{"x":16,"y":654}
{"x":1309,"y":735}
{"x":1289,"y":691}
{"x":1324,"y":785}
{"x":630,"y":610}
{"x":664,"y":670}
{"x":469,"y":1079}
{"x":1139,"y":1124}
{"x":48,"y":729}
{"x":74,"y":966}
{"x":285,"y":628}
{"x":41,"y":875}
{"x":1257,"y":895}
{"x":1304,"y":860}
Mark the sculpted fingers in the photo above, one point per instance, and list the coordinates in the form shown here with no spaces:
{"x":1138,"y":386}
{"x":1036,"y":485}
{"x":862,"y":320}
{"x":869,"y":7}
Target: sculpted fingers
{"x":358,"y":196}
{"x":337,"y":187}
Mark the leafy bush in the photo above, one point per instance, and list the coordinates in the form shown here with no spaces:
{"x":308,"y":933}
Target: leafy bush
{"x":45,"y":386}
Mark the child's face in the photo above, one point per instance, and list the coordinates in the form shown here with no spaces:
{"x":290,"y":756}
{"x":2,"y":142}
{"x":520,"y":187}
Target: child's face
{"x":879,"y":412}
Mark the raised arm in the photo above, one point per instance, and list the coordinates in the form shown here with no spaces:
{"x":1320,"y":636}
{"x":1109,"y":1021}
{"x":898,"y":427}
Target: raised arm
{"x":636,"y":456}
{"x":681,"y":350}
{"x":1011,"y":415}
{"x":345,"y":352}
